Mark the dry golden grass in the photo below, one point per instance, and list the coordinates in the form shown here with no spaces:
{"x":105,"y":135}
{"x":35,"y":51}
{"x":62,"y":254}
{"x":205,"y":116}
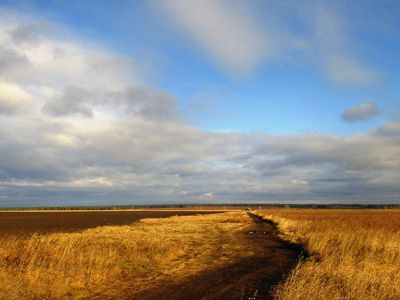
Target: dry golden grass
{"x":119,"y":261}
{"x":355,"y":254}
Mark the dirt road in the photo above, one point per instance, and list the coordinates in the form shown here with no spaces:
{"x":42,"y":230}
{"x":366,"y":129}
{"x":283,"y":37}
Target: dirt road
{"x":252,"y":278}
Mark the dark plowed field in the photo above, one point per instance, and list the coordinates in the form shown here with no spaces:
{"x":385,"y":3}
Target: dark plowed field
{"x":67,"y":221}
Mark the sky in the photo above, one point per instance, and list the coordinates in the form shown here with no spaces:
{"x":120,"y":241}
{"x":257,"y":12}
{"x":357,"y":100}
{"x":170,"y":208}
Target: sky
{"x":208,"y":101}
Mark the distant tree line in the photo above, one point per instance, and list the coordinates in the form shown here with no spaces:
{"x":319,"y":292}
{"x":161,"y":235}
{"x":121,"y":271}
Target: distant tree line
{"x":208,"y":205}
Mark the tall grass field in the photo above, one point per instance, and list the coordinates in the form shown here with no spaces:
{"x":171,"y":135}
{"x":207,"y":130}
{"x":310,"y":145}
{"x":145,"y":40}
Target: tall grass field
{"x":118,"y":262}
{"x":354,"y":254}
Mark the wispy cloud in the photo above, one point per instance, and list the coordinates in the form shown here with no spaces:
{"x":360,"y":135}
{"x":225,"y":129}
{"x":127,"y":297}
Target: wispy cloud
{"x":240,"y":36}
{"x":336,"y":50}
{"x":347,"y":71}
{"x":229,"y":34}
{"x":360,"y":112}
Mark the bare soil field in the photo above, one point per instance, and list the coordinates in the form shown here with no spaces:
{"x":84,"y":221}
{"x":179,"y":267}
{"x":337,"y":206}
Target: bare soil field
{"x":28,"y":222}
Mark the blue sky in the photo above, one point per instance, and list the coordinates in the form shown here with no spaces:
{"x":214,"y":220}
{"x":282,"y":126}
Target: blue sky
{"x":253,"y":69}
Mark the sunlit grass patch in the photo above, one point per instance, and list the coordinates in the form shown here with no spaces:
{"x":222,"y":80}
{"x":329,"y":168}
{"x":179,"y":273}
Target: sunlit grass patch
{"x":355,"y":254}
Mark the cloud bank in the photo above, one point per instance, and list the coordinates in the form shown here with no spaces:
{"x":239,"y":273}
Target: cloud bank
{"x":78,"y":127}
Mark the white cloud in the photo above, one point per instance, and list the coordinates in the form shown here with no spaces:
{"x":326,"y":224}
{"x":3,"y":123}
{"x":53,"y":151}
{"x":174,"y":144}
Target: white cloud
{"x":56,"y":58}
{"x":208,"y":195}
{"x":64,"y":140}
{"x":12,"y":97}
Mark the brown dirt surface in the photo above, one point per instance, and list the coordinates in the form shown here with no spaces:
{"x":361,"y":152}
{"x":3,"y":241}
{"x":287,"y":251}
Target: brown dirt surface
{"x":29,"y":222}
{"x":252,"y":278}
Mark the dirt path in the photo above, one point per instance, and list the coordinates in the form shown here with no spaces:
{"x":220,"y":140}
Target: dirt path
{"x":252,"y":278}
